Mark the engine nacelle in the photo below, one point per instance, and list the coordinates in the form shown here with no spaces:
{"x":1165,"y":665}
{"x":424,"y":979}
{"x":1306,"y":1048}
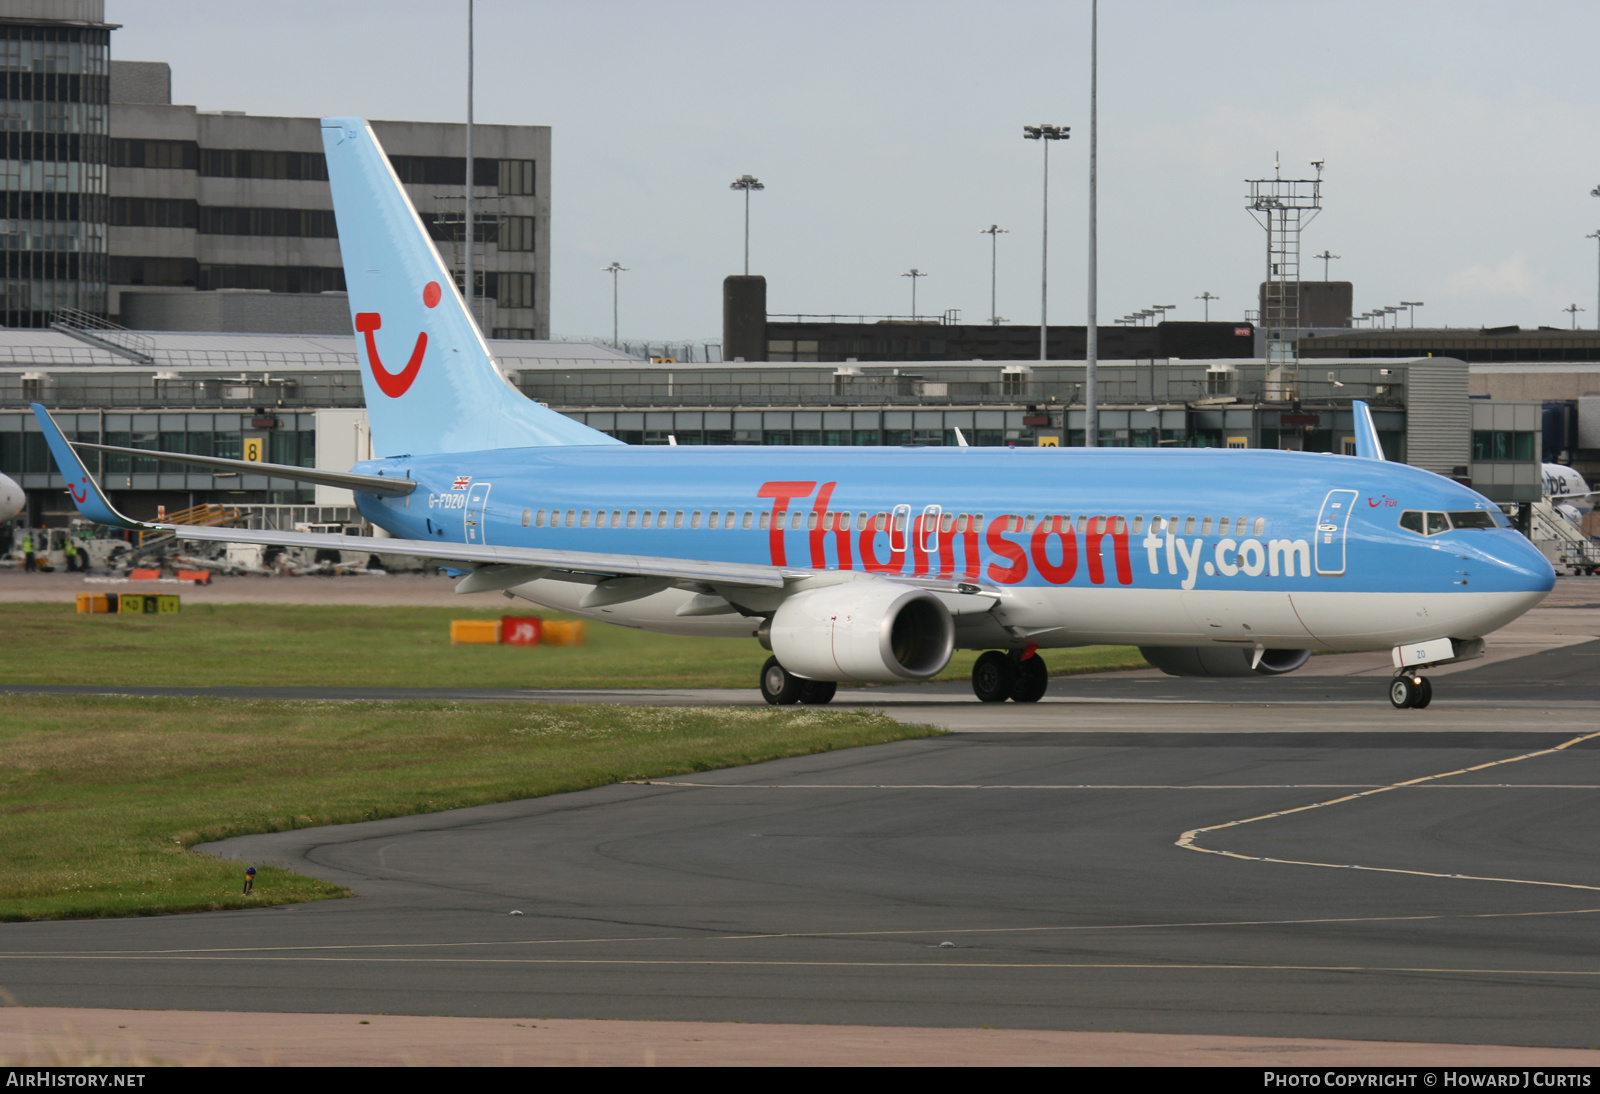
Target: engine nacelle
{"x":1222,"y":660}
{"x":867,"y":631}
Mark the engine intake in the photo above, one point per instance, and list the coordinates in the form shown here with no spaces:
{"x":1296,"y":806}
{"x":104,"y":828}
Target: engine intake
{"x":1222,"y":660}
{"x":871,"y":632}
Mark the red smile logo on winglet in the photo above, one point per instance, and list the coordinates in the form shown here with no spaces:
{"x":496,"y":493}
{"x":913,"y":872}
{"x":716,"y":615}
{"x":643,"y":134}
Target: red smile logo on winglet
{"x":396,"y":384}
{"x":79,"y":496}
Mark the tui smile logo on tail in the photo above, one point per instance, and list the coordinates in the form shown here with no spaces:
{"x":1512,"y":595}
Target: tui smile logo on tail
{"x":79,"y":495}
{"x":396,"y":384}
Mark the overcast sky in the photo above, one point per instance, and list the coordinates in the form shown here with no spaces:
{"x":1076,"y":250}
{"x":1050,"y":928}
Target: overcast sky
{"x":1460,"y":140}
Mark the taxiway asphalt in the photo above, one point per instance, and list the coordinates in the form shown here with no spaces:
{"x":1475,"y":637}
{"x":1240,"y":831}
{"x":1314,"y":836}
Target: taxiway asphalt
{"x":1010,"y":874}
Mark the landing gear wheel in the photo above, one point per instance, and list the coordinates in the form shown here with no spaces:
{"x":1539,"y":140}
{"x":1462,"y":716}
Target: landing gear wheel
{"x":817,"y":692}
{"x":1424,"y":693}
{"x":992,"y":674}
{"x":1030,"y":680}
{"x":1403,"y":692}
{"x":779,"y":686}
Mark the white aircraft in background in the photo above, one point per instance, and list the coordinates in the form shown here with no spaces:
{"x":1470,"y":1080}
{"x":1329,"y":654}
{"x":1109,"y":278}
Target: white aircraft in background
{"x":1565,"y":489}
{"x":12,"y":500}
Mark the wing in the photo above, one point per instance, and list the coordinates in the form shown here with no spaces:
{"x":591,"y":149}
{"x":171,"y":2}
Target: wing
{"x":528,"y":562}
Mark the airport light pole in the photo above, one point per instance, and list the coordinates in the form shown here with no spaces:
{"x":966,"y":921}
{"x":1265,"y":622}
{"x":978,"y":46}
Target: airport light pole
{"x":614,"y":269}
{"x":467,"y":270}
{"x":1044,"y":134}
{"x":1574,"y":310}
{"x":1326,"y":256}
{"x":1411,"y":306}
{"x":1091,"y":330}
{"x":1208,"y":296}
{"x":1160,"y":311}
{"x":913,"y":273}
{"x":993,"y":231}
{"x":1595,"y":235}
{"x":746,"y":183}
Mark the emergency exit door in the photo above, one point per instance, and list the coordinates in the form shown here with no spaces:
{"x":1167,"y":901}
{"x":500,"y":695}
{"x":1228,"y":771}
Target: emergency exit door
{"x":1333,"y":524}
{"x":473,"y":517}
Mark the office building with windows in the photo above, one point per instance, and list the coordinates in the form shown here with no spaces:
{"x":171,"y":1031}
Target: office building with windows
{"x":54,"y":112}
{"x":224,"y":221}
{"x":126,"y":206}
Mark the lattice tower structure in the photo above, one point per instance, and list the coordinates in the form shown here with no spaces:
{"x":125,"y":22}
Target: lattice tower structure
{"x":1283,"y":207}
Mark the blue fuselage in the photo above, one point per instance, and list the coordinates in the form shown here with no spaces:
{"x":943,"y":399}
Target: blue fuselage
{"x":1190,"y":520}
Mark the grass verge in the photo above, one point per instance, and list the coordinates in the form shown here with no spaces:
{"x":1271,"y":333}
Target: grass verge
{"x":101,"y":797}
{"x":331,"y":646}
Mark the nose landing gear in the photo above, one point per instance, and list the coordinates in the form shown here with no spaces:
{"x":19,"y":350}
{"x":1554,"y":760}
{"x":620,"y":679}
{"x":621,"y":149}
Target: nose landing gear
{"x":1410,"y":690}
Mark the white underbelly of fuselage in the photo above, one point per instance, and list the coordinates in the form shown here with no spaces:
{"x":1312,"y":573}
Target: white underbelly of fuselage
{"x":1056,"y":617}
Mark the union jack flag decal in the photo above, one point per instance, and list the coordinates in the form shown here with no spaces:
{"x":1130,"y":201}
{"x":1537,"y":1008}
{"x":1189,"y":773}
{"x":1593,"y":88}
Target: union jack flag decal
{"x":462,"y":482}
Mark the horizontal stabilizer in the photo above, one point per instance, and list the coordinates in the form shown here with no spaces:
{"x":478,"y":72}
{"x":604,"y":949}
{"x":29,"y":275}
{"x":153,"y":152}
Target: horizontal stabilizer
{"x":349,"y":480}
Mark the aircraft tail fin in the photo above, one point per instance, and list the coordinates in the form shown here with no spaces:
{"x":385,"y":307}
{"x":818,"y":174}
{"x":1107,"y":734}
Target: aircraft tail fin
{"x":1367,"y":444}
{"x":431,"y":384}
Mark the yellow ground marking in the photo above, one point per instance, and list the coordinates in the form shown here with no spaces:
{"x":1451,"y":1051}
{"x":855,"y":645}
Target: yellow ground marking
{"x":1187,"y":840}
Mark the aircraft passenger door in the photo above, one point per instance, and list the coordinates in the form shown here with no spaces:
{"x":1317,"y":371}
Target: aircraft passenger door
{"x":1332,"y":525}
{"x":472,"y":518}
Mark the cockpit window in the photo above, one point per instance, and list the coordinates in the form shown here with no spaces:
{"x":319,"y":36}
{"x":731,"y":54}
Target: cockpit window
{"x":1411,"y":521}
{"x":1472,"y":519}
{"x":1438,"y":522}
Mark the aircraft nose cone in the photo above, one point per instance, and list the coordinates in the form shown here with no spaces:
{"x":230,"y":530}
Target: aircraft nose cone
{"x":1522,"y":566}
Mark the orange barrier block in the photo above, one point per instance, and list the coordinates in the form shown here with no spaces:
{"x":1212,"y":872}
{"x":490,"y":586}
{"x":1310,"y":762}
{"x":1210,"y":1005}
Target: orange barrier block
{"x":93,"y":603}
{"x":474,"y":632}
{"x":556,"y":633}
{"x":198,"y":577}
{"x":520,"y":630}
{"x":146,"y":575}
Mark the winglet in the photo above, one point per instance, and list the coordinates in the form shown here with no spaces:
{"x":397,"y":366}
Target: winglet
{"x":86,"y":493}
{"x":1368,"y":446}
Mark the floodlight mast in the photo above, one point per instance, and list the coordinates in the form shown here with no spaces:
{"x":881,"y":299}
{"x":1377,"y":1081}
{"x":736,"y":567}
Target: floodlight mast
{"x":994,"y":232}
{"x":614,"y":269}
{"x":1411,"y":306}
{"x":467,"y":271}
{"x":1044,"y":134}
{"x":1595,"y":235}
{"x":1326,"y":256}
{"x":746,"y":183}
{"x":1573,"y":309}
{"x":913,"y":273}
{"x":1208,"y":296}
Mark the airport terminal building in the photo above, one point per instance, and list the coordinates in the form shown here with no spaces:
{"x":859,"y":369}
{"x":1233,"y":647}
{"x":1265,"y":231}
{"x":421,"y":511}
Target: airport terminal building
{"x":298,"y":398}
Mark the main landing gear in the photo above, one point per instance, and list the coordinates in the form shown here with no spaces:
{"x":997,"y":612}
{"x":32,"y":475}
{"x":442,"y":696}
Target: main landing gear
{"x":1410,"y":690}
{"x":782,"y":688}
{"x":1018,"y":675}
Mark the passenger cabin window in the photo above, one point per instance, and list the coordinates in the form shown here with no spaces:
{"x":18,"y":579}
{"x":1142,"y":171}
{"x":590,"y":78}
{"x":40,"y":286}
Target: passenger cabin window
{"x":645,"y":519}
{"x":716,"y":516}
{"x":538,"y":519}
{"x":633,"y":514}
{"x":747,"y":513}
{"x":1261,"y":522}
{"x":694,"y":518}
{"x":572,"y":516}
{"x":527,"y":514}
{"x":677,"y":516}
{"x":766,"y":518}
{"x":1138,"y":522}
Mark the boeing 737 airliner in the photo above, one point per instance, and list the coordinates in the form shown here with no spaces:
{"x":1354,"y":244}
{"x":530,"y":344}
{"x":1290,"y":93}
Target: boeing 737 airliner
{"x":854,"y":564}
